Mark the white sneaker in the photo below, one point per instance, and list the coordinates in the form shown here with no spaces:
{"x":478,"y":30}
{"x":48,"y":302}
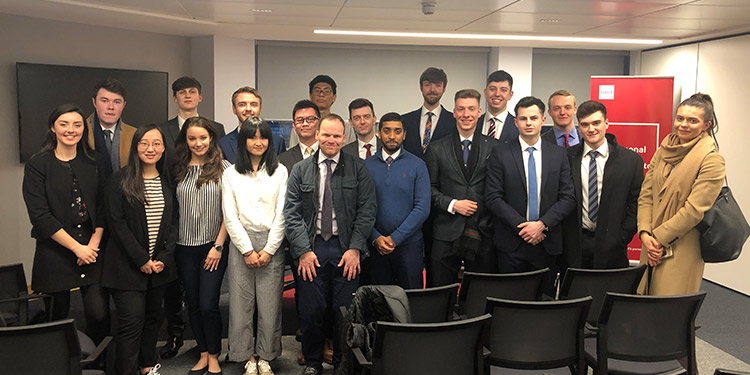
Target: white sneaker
{"x":154,"y":370}
{"x":251,"y":367}
{"x":264,"y":367}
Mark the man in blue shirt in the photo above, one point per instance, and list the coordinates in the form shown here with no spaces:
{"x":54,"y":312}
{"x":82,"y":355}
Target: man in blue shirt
{"x":562,"y":110}
{"x":403,"y":193}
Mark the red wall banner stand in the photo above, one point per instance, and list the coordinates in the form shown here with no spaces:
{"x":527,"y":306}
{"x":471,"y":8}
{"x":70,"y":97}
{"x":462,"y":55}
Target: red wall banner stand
{"x":639,"y":110}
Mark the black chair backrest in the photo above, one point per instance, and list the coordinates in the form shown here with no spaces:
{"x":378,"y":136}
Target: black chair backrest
{"x":537,"y":334}
{"x":12,"y":281}
{"x":648,"y":328}
{"x":596,"y":283}
{"x":432,"y":305}
{"x":47,"y":348}
{"x":476,"y":287}
{"x":429,"y":348}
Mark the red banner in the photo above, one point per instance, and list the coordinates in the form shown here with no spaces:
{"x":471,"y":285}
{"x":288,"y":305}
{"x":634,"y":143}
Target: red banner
{"x":639,"y":110}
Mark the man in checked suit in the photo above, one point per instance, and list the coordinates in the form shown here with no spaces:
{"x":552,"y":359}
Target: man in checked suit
{"x":497,"y":122}
{"x":597,"y":233}
{"x":529,"y":192}
{"x":462,"y":226}
{"x":431,"y":121}
{"x":186,"y":92}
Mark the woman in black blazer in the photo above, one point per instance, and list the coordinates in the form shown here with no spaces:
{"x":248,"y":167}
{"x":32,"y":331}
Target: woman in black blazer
{"x":62,"y":184}
{"x":139,"y":261}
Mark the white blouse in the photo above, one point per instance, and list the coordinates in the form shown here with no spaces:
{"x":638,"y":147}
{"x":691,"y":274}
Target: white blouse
{"x":254,"y":203}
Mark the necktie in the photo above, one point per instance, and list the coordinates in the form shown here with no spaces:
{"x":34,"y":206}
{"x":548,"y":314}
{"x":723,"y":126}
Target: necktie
{"x":368,"y":154}
{"x":593,"y":187}
{"x":108,"y":140}
{"x":326,"y":218}
{"x":533,"y":198}
{"x":492,"y":129}
{"x":466,"y":144}
{"x":308,"y":152}
{"x":566,"y":144}
{"x":427,"y":128}
{"x":388,"y":162}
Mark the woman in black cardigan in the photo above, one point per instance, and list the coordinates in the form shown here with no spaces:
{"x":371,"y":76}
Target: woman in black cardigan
{"x":62,"y":184}
{"x":139,"y":261}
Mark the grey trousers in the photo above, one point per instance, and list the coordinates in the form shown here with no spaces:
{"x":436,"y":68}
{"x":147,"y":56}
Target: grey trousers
{"x":250,"y":288}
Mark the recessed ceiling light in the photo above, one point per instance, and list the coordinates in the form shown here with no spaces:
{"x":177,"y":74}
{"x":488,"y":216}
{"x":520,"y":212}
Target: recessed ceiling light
{"x":262,"y":10}
{"x":568,"y":39}
{"x":549,"y":20}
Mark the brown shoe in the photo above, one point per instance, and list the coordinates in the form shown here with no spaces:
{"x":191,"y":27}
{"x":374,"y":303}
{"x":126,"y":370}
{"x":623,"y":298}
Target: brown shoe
{"x":300,"y":358}
{"x":328,"y":352}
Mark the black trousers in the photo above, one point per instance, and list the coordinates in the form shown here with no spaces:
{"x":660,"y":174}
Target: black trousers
{"x":95,"y":308}
{"x":173,"y":297}
{"x":527,"y":258}
{"x":202,"y":291}
{"x":446,"y":264}
{"x":139,"y":315}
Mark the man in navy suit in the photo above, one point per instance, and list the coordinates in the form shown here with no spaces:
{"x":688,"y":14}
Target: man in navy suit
{"x":431,"y":121}
{"x":246,"y":103}
{"x":497,"y":122}
{"x":562,"y":110}
{"x":529,"y":192}
{"x":362,"y":119}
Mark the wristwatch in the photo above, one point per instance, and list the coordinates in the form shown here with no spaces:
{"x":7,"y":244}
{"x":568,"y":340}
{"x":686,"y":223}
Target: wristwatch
{"x":218,"y":247}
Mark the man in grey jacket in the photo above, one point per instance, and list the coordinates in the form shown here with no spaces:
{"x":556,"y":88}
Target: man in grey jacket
{"x":329,"y":212}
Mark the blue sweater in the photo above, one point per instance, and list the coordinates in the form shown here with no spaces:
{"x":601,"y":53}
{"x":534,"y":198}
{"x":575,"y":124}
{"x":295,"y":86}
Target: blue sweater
{"x":403,"y":193}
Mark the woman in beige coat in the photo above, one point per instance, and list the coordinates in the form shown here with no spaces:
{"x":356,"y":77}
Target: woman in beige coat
{"x":683,"y":180}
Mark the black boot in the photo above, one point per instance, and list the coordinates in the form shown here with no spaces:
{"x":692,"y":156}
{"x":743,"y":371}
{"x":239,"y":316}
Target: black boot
{"x":171,"y":348}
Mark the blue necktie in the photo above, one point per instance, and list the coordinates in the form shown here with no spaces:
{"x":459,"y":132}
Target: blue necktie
{"x":593,"y":187}
{"x":466,"y":144}
{"x":533,"y":198}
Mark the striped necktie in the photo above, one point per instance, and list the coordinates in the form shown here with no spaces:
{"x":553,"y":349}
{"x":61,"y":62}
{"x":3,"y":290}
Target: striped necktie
{"x":493,"y":128}
{"x":593,"y":187}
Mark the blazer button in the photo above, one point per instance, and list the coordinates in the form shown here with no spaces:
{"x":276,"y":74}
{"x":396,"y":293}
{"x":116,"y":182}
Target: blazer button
{"x":78,"y":226}
{"x":83,"y":275}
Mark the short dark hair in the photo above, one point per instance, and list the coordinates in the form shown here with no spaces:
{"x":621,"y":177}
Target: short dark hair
{"x":466,"y":94}
{"x":434,"y":75}
{"x":325,"y":79}
{"x":185,"y":82}
{"x":112,"y":85}
{"x":360,"y":103}
{"x":335,"y":117}
{"x":392,"y":116}
{"x":529,"y":101}
{"x":590,"y":107}
{"x":500,"y":76}
{"x":249,"y":90}
{"x":302,"y":104}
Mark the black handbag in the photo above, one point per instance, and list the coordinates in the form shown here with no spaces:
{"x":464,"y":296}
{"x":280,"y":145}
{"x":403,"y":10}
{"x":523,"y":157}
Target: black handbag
{"x":723,"y":229}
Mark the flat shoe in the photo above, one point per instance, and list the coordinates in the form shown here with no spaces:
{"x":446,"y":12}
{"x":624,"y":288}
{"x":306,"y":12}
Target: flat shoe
{"x":199,"y":371}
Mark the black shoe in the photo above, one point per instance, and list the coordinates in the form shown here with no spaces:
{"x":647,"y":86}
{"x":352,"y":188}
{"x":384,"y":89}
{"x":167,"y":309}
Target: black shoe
{"x":171,"y":348}
{"x":310,"y":371}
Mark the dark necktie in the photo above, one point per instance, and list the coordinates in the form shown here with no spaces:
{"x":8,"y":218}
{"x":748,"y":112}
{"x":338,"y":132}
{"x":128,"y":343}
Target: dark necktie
{"x":326,"y":218}
{"x":388,"y":162}
{"x":593,"y":187}
{"x":108,"y":140}
{"x":533,"y":198}
{"x":493,"y":128}
{"x":466,"y":144}
{"x":368,"y":154}
{"x":566,"y":142}
{"x":427,"y":129}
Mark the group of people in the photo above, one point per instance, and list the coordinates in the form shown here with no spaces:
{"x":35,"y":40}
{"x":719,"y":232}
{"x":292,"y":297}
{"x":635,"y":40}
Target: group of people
{"x":143,"y":214}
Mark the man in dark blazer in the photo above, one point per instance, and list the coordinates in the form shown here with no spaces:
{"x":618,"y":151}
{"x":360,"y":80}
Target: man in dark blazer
{"x":529,"y":195}
{"x":246,"y":103}
{"x":497,"y":122}
{"x":108,"y":135}
{"x":432,"y":83}
{"x":186,"y":93}
{"x":362,"y":119}
{"x":597,"y":233}
{"x":562,"y":110}
{"x":461,"y":226}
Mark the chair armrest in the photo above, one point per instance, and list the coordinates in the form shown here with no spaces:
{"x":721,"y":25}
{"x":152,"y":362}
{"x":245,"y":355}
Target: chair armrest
{"x":360,"y":357}
{"x":697,"y":327}
{"x":23,"y":303}
{"x":485,"y":352}
{"x":94,"y":356}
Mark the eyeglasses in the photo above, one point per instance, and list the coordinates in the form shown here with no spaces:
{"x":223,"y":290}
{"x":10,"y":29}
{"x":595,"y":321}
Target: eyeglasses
{"x":367,"y":117}
{"x":308,"y":119}
{"x":143,"y":145}
{"x":318,"y":91}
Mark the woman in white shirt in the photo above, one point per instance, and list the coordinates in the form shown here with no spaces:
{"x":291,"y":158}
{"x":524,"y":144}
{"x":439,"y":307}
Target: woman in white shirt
{"x":253,"y":200}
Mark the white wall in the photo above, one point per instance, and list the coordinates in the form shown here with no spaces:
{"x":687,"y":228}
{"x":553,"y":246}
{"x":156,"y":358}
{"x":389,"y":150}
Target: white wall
{"x":718,"y":68}
{"x":517,"y":61}
{"x":42,"y":41}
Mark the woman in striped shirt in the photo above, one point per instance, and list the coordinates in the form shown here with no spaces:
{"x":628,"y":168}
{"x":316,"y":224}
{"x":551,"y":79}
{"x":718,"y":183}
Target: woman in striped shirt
{"x":254,"y":190}
{"x":201,"y":262}
{"x":139,"y":258}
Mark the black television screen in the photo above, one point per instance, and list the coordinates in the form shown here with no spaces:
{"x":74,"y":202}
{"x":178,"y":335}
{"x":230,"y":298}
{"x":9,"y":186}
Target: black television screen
{"x":42,"y":87}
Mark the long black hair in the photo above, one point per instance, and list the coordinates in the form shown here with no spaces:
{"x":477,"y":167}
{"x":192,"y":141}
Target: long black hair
{"x":247,"y":131}
{"x":50,"y":142}
{"x":131,"y":180}
{"x":212,"y":166}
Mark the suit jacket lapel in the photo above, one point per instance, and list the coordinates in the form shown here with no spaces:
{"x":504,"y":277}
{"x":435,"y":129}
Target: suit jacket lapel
{"x":515,"y":146}
{"x":575,"y":170}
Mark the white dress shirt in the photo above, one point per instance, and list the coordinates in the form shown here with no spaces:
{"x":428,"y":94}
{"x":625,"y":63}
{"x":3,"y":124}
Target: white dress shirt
{"x":259,"y":211}
{"x":321,"y":191}
{"x":373,"y":147}
{"x":423,"y":121}
{"x":538,"y":162}
{"x":499,"y":123}
{"x":394,"y":156}
{"x":303,"y":149}
{"x":601,"y":160}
